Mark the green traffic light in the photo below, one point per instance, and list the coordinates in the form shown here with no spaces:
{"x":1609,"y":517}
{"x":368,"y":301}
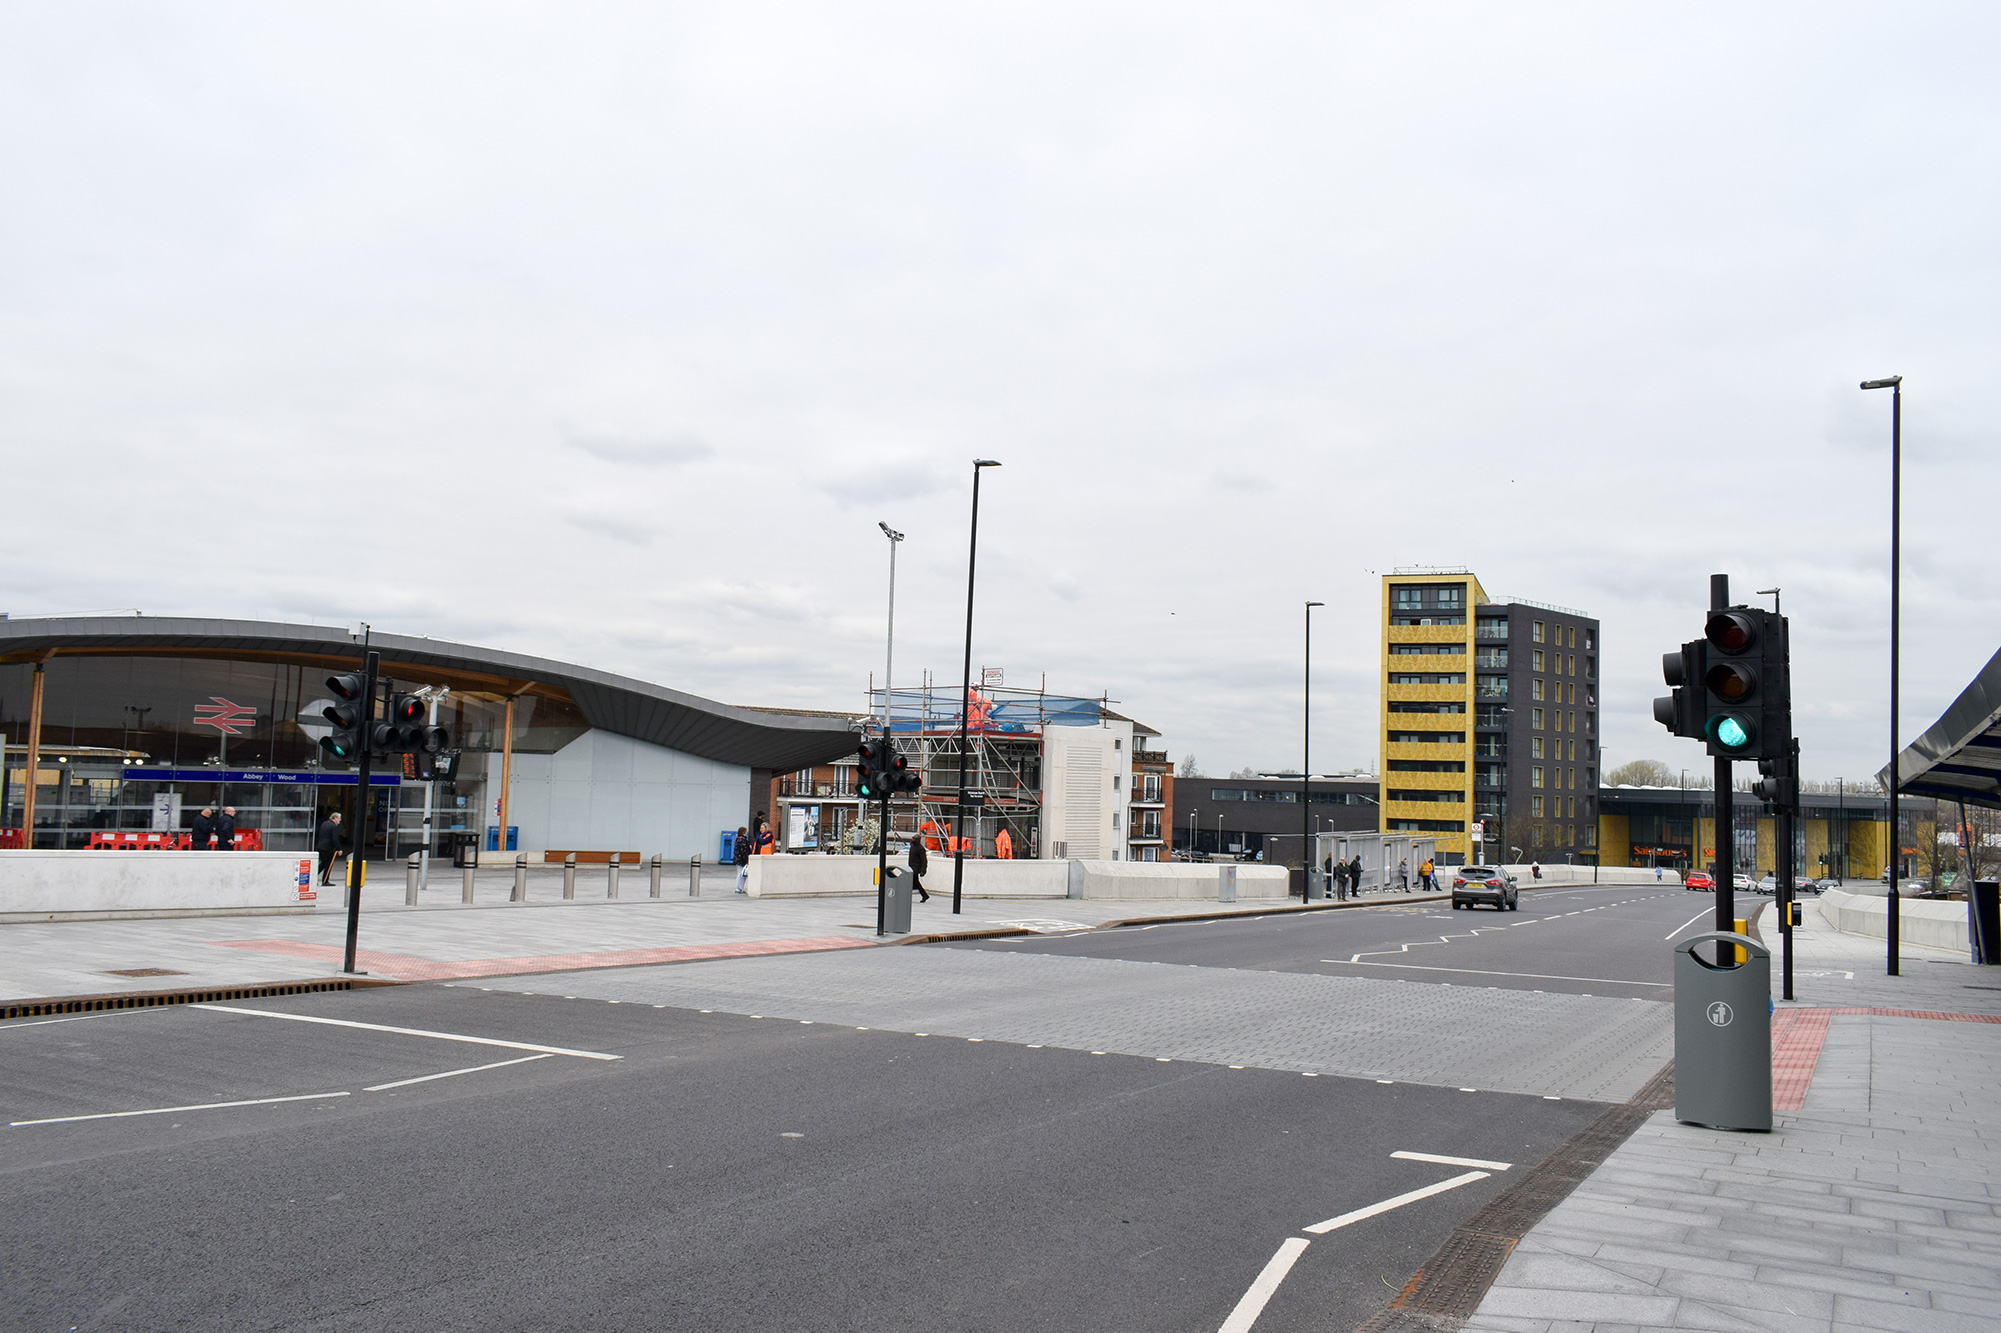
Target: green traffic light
{"x":1731,"y":733}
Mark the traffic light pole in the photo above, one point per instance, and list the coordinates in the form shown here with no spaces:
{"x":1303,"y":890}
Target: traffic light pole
{"x":354,"y":861}
{"x":1782,"y":826}
{"x":882,"y":850}
{"x":1726,"y":821}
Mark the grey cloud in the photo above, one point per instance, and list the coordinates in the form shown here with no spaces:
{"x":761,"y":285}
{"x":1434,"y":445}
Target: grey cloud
{"x":671,"y":452}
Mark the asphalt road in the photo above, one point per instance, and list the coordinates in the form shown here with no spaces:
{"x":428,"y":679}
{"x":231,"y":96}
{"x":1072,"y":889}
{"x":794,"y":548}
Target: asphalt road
{"x":725,"y":1172}
{"x":1608,"y":940}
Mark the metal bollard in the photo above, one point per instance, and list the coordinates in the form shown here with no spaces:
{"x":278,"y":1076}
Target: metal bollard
{"x":658,"y":864}
{"x":694,"y":877}
{"x":410,"y":883}
{"x":611,"y":877}
{"x":570,"y":876}
{"x":465,"y":893}
{"x":520,"y":894}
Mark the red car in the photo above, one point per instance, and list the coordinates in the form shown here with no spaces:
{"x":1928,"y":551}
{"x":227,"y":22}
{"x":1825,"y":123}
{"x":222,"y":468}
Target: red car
{"x":1699,"y":879}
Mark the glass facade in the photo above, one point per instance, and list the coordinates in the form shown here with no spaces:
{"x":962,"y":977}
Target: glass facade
{"x":144,"y":742}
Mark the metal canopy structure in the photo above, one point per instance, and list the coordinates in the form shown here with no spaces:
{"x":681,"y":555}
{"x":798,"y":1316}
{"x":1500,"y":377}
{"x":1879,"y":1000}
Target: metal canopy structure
{"x":1959,"y":758}
{"x":752,"y":737}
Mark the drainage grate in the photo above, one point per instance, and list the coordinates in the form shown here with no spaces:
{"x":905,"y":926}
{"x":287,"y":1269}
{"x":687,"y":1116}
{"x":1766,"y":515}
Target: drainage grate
{"x":1448,"y":1289}
{"x":144,"y":972}
{"x":81,"y":1004}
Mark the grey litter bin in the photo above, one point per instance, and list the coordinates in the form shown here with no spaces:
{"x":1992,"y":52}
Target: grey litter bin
{"x":1226,"y":883}
{"x":1316,"y":886}
{"x":896,"y":910}
{"x":1723,"y":1035}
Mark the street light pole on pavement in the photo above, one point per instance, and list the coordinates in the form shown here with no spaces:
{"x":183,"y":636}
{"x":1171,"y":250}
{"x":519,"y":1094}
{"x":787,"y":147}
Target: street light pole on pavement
{"x":889,"y":656}
{"x":966,"y":696}
{"x":1895,"y":384}
{"x":1306,"y":847}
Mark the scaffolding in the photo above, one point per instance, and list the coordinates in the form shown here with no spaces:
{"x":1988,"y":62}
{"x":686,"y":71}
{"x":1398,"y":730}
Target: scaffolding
{"x":1004,"y":733}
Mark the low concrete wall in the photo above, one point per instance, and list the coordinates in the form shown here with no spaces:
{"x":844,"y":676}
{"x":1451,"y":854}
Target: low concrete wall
{"x":1137,"y":881}
{"x":1582,"y":875}
{"x":1933,"y":924}
{"x":53,"y":886}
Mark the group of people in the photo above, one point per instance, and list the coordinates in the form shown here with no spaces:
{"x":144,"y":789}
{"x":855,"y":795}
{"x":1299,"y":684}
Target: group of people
{"x":208,"y":828}
{"x":1345,"y":876}
{"x":756,"y":840}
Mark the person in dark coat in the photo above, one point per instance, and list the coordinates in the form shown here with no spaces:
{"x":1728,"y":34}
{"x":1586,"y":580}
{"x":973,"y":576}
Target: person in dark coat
{"x":919,"y":863}
{"x":202,"y":831}
{"x":329,"y":847}
{"x":740,"y":853}
{"x":225,"y":829}
{"x":1355,"y":876}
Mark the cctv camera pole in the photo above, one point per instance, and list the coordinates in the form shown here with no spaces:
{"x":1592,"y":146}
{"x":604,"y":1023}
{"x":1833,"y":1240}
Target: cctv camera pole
{"x":355,"y":873}
{"x":1726,"y":821}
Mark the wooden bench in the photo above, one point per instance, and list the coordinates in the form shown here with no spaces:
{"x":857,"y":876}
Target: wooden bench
{"x":592,"y":858}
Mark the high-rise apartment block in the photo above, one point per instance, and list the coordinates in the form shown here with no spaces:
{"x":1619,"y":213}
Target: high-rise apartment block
{"x":1490,"y":719}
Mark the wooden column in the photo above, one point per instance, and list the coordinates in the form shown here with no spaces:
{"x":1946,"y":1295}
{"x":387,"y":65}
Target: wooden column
{"x":506,"y":772}
{"x":34,"y":759}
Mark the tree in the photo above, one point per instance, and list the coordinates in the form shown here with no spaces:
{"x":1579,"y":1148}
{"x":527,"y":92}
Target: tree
{"x":1189,"y":768}
{"x":1643,"y":773}
{"x":1244,"y":773}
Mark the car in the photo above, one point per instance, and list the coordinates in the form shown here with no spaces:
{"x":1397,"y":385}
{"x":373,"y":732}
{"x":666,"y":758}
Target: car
{"x":1820,"y":886}
{"x":1472,"y":885}
{"x":1699,"y":879}
{"x":1769,"y":884}
{"x":1743,"y":884}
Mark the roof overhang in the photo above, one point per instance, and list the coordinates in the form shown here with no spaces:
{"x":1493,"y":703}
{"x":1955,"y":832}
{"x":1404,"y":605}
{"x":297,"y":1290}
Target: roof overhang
{"x":1959,"y":758}
{"x":752,"y":737}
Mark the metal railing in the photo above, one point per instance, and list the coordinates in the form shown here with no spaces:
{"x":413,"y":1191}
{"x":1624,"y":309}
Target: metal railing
{"x":1491,"y":691}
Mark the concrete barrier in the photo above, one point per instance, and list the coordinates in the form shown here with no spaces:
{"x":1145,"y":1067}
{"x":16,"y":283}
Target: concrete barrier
{"x":1933,"y":924}
{"x":1580,"y":875}
{"x":1135,"y":881}
{"x":60,"y":886}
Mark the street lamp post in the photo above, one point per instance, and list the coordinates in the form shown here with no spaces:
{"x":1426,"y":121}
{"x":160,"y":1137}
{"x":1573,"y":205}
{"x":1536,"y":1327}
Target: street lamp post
{"x":966,"y":696}
{"x":889,"y":655}
{"x":1306,"y":848}
{"x":1895,"y":384}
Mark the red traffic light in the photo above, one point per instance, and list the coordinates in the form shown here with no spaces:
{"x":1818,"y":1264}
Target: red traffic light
{"x":350,"y":685}
{"x":1731,"y":631}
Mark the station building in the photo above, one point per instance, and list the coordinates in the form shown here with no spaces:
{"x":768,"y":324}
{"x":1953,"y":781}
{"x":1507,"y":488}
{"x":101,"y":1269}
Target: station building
{"x":137,"y":722}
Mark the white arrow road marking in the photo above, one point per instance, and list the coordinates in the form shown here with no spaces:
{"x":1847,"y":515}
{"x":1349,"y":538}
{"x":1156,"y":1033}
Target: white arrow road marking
{"x":1388,"y":1205}
{"x":1253,"y":1304}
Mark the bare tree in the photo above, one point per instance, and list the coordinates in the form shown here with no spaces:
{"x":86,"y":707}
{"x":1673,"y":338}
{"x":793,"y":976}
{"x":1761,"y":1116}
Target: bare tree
{"x":1189,"y":768}
{"x":1643,"y":773}
{"x":1244,"y":773}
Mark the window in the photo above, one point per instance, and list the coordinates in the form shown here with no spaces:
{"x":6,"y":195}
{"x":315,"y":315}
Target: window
{"x":1427,"y":766}
{"x":1535,"y":631}
{"x":1427,"y":738}
{"x":1420,"y":794}
{"x":1588,"y":637}
{"x":1491,"y":747}
{"x":1115,"y":778}
{"x":1535,"y":660}
{"x":1117,"y":741}
{"x":1428,"y":706}
{"x":1537,"y":839}
{"x":1590,"y":835}
{"x":1590,"y":668}
{"x":1591,"y":781}
{"x":1488,"y":627}
{"x":1573,"y":695}
{"x":1427,"y":825}
{"x":1573,"y":721}
{"x":1491,"y":715}
{"x":1573,"y":636}
{"x":1535,"y":688}
{"x":1491,"y":775}
{"x":1427,"y":649}
{"x":1535,"y":807}
{"x":1115,"y":819}
{"x":1535,"y":748}
{"x":1535,"y":776}
{"x":1570,"y":666}
{"x":1572,"y":778}
{"x":1490,"y":687}
{"x":1535,"y":718}
{"x":1427,"y":678}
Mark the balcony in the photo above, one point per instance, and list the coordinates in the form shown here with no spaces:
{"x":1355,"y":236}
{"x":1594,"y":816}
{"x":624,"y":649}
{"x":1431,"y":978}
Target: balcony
{"x":1491,"y":660}
{"x":1487,"y":629}
{"x":832,"y":790}
{"x":1495,"y":687}
{"x":1149,"y":756}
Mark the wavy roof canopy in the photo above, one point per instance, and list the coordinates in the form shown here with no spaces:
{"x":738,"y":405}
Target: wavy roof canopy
{"x":1959,"y":758}
{"x":753,"y":737}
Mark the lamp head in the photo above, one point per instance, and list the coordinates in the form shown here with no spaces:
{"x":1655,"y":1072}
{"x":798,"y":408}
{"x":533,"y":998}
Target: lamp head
{"x":890,"y":532}
{"x":1889,"y":382}
{"x":985,"y":462}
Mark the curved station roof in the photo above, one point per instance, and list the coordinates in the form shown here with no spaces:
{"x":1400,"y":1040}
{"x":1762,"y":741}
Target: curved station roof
{"x":753,"y":737}
{"x":1959,"y":759}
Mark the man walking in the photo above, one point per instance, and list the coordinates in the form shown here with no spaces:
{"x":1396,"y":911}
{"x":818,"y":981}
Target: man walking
{"x":202,"y":832}
{"x":225,"y":829}
{"x":740,"y":853}
{"x":920,"y":861}
{"x":329,"y":847}
{"x":1403,"y":874}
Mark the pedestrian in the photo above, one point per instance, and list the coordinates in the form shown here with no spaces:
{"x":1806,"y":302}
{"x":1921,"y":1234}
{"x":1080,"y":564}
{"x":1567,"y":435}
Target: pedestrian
{"x":1346,"y":880}
{"x":766,"y":841}
{"x":740,"y":853}
{"x":919,"y":863}
{"x":1424,"y":874}
{"x":1355,"y":876}
{"x":1004,"y":845}
{"x":1330,"y":886}
{"x":225,"y":829}
{"x":1657,"y":874}
{"x":202,"y":831}
{"x":1535,"y":870}
{"x":1403,"y":874}
{"x":329,"y":847}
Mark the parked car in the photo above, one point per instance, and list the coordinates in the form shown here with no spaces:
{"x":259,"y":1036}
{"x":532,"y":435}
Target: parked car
{"x":1484,"y":884}
{"x":1699,"y":879}
{"x":1743,"y":884}
{"x":1820,"y":886}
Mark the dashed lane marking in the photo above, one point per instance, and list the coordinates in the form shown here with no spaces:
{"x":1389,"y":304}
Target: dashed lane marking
{"x":1480,"y":972}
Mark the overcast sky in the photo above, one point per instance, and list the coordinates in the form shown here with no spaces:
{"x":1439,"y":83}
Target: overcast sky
{"x":637,"y":319}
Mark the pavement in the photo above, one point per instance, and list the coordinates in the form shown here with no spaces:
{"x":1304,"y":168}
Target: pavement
{"x":1874,"y":1203}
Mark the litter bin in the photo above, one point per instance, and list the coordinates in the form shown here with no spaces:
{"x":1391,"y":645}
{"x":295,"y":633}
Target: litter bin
{"x":1723,"y":1033}
{"x":896,"y":908}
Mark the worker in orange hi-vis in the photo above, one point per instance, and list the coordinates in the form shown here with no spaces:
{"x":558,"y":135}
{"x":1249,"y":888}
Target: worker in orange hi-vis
{"x":1004,"y":845}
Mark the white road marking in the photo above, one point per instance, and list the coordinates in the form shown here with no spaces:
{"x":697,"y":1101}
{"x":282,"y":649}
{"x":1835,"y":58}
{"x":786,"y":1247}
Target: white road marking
{"x":1691,"y":921}
{"x":409,"y":1032}
{"x":1253,"y":1304}
{"x":454,"y":1073}
{"x":78,"y":1018}
{"x":170,"y":1110}
{"x":1387,"y":1205}
{"x":1452,"y":1161}
{"x":1477,"y":972}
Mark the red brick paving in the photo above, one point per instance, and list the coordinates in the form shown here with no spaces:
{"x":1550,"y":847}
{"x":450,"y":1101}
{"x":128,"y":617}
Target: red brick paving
{"x":1798,"y":1034}
{"x":409,"y":967}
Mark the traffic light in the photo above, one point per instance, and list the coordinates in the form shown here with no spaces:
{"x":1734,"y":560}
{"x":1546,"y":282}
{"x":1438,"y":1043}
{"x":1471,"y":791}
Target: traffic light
{"x":870,"y":782}
{"x":902,"y":777}
{"x":1778,"y":781}
{"x":1680,"y":711}
{"x":348,"y":713}
{"x":1733,"y":710}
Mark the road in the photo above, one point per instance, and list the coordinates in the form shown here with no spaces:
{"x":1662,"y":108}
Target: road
{"x":806,"y":1167}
